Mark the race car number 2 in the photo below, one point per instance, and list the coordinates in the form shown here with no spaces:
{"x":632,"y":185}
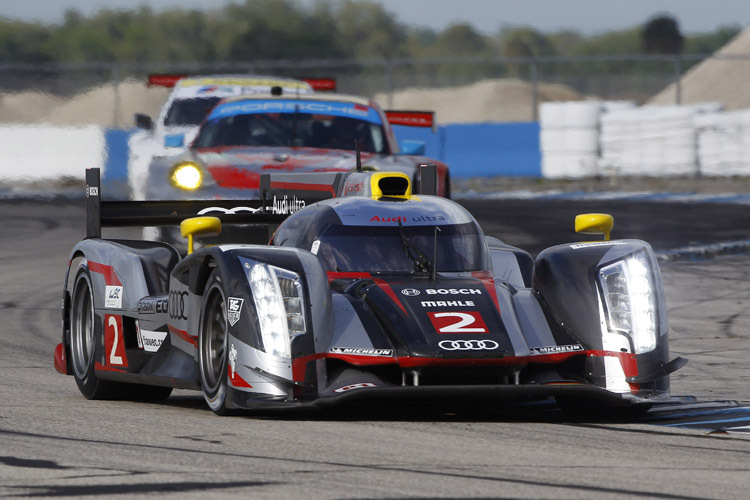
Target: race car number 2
{"x":458,"y":322}
{"x":114,"y":345}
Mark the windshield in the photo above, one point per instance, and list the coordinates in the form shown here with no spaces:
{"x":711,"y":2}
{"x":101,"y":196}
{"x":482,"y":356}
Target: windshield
{"x":189,"y":112}
{"x":370,"y":249}
{"x":285,"y":124}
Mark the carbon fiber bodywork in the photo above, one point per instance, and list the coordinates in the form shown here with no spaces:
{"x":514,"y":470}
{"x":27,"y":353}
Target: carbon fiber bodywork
{"x":494,"y":324}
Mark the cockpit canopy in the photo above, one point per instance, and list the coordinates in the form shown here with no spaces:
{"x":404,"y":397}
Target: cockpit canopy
{"x":388,"y":237}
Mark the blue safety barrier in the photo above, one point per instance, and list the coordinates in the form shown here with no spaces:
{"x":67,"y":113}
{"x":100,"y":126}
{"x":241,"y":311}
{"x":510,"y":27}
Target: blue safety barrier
{"x":115,"y":178}
{"x":482,"y":149}
{"x":116,"y":165}
{"x":469,"y":149}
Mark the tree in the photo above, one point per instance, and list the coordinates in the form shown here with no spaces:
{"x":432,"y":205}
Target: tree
{"x":525,"y":42}
{"x":661,"y":35}
{"x":460,"y":39}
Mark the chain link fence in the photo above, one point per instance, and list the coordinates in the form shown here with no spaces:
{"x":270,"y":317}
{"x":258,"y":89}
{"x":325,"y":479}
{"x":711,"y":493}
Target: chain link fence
{"x":634,"y":78}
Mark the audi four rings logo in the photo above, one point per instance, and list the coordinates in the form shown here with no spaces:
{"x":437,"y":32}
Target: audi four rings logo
{"x":410,"y":292}
{"x":177,"y":305}
{"x":227,"y":211}
{"x":468,"y":345}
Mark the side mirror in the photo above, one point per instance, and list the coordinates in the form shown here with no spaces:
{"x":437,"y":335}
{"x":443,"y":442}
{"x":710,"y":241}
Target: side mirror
{"x":174,"y":141}
{"x":143,"y":121}
{"x":411,"y":147}
{"x":199,"y":226}
{"x":595,"y":224}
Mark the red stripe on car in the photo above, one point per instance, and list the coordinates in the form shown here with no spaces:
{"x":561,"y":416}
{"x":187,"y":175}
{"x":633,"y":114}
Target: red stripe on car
{"x":233,"y":177}
{"x":236,"y":380}
{"x":389,"y":291}
{"x":193,"y":339}
{"x":489,"y":284}
{"x":110,"y":276}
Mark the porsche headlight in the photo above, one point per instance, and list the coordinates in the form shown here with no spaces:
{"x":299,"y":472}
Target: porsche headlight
{"x":186,"y":176}
{"x":630,"y":300}
{"x":279,"y":302}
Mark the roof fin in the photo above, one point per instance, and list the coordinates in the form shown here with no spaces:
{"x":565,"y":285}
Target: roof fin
{"x":359,"y":156}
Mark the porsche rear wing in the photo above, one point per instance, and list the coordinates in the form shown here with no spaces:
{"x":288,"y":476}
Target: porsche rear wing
{"x":282,"y":194}
{"x":422,"y":119}
{"x":169,"y":80}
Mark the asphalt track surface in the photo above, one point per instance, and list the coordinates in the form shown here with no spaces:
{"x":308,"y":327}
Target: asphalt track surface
{"x":55,"y":443}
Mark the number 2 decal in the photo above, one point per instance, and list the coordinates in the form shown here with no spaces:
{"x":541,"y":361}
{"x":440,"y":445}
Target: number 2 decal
{"x":458,"y":322}
{"x":113,"y":341}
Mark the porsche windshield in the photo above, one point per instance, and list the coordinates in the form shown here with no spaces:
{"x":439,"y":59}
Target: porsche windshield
{"x":393,"y":249}
{"x":304,"y":123}
{"x":189,"y":112}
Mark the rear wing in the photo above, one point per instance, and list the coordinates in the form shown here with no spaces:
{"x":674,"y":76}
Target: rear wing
{"x":108,"y":213}
{"x":169,"y":80}
{"x":425,"y":119}
{"x":281,"y":194}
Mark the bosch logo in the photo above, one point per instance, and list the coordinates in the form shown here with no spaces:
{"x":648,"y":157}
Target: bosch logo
{"x":468,"y":345}
{"x":410,"y":292}
{"x":453,"y":291}
{"x":177,"y":306}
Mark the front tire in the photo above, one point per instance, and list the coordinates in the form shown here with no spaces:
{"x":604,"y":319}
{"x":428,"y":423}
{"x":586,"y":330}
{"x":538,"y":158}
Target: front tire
{"x":212,"y":345}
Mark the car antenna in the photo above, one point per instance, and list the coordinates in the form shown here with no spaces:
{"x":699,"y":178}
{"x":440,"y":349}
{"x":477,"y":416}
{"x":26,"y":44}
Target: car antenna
{"x":433,"y":274}
{"x":359,"y":156}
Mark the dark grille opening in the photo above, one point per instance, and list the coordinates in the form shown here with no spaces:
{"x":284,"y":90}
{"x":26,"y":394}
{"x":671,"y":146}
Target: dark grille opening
{"x":393,"y":186}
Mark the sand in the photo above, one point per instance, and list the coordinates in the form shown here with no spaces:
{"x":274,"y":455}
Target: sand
{"x":716,"y":80}
{"x":499,"y":100}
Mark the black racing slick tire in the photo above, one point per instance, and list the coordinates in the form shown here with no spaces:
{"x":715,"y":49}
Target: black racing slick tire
{"x":83,"y":339}
{"x":83,"y":347}
{"x":213,"y":351}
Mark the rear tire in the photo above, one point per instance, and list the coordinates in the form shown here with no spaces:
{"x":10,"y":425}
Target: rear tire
{"x":212,"y":345}
{"x":83,"y":342}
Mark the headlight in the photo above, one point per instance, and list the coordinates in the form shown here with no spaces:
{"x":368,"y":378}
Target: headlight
{"x":279,"y":302}
{"x":186,"y":176}
{"x":630,"y":300}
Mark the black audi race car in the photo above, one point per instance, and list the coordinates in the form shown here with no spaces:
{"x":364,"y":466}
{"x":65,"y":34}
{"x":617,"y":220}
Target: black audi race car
{"x":371,"y":291}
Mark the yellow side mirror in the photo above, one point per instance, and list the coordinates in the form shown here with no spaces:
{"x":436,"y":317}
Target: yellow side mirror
{"x":595,"y":224}
{"x":199,"y":226}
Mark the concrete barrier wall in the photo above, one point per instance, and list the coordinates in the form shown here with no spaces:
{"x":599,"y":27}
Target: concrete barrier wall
{"x":44,"y":152}
{"x":717,"y":144}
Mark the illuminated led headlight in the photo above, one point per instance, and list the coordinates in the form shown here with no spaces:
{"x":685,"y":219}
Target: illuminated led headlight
{"x":630,"y":300}
{"x":279,"y":302}
{"x":186,"y":176}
